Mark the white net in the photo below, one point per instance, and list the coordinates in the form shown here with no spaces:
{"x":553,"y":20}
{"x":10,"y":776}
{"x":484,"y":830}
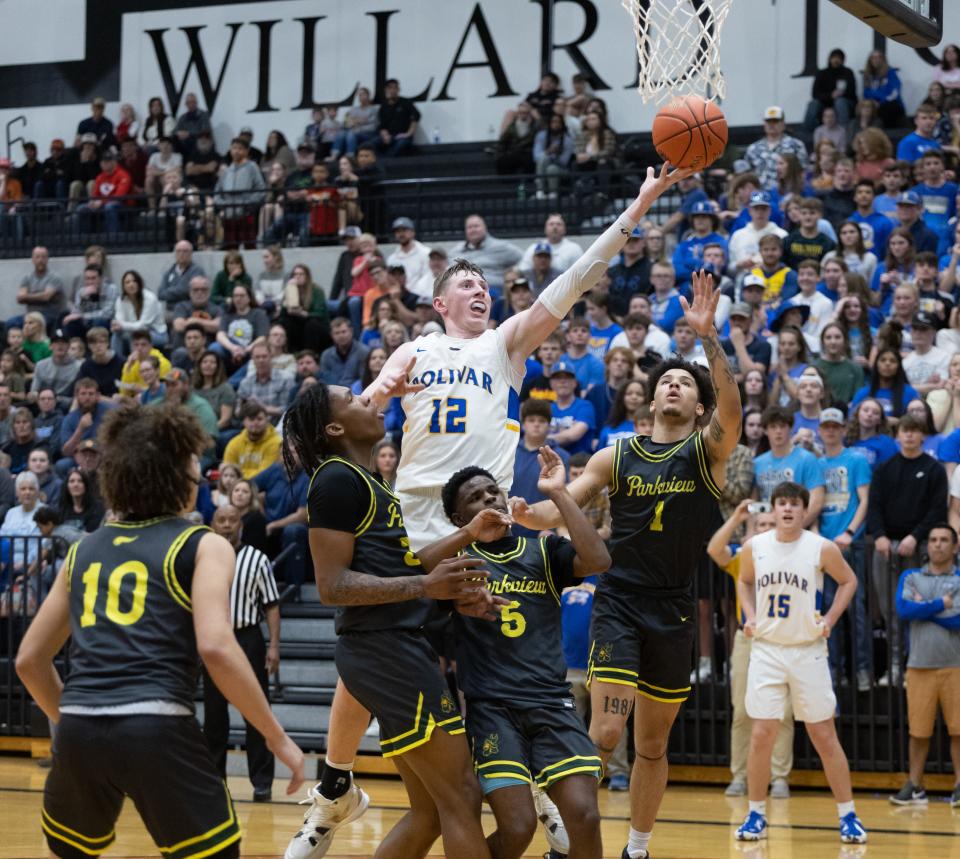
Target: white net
{"x":678,"y":47}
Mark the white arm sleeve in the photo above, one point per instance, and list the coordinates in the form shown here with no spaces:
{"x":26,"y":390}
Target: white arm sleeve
{"x":586,"y":272}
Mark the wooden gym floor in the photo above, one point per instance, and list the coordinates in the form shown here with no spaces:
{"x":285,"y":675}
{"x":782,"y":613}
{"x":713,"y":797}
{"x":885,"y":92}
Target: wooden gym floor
{"x":695,"y":821}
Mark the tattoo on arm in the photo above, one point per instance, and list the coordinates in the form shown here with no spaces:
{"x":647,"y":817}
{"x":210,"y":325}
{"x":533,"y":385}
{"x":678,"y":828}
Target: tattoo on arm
{"x":352,"y":588}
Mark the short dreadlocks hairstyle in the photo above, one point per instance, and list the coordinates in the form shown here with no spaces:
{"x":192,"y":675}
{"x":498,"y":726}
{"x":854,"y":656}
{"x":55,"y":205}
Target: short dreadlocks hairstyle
{"x":451,"y":490}
{"x":304,"y":430}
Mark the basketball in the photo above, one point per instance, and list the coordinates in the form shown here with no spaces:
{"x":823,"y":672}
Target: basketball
{"x":690,"y":132}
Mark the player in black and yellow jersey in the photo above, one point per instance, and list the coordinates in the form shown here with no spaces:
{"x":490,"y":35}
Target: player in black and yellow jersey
{"x":663,"y":491}
{"x":140,"y":599}
{"x":363,"y":564}
{"x":521,"y":718}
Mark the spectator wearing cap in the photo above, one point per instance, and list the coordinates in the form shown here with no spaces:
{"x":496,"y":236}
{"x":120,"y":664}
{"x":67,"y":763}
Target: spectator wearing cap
{"x":176,"y":280}
{"x":398,"y":120}
{"x":630,"y":273}
{"x":835,"y":87}
{"x":82,"y":422}
{"x":492,"y":255}
{"x":437,"y":262}
{"x":238,"y":195}
{"x":55,"y":173}
{"x":573,"y":420}
{"x":97,"y":124}
{"x":691,"y":194}
{"x":910,"y":216}
{"x":411,"y":254}
{"x":190,"y":123}
{"x":58,"y":372}
{"x":202,"y":163}
{"x":542,"y":271}
{"x":923,"y":137}
{"x":159,"y":166}
{"x":927,"y":366}
{"x":704,"y":230}
{"x":517,"y":297}
{"x":762,"y":154}
{"x":744,"y":349}
{"x":744,"y":244}
{"x":564,"y":251}
{"x":11,"y":193}
{"x":846,"y":477}
{"x":807,"y":240}
{"x":31,"y":171}
{"x":110,"y":190}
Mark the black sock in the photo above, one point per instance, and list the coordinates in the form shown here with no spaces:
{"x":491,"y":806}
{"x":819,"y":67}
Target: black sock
{"x":334,"y":782}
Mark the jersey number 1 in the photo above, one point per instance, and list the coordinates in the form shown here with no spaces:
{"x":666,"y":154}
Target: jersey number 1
{"x":91,"y":590}
{"x":449,"y":415}
{"x":657,"y":523}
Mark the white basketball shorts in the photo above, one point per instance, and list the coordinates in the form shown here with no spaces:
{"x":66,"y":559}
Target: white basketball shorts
{"x":423,"y":517}
{"x":799,"y":673}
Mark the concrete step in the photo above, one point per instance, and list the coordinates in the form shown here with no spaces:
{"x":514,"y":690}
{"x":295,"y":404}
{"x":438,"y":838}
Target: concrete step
{"x":309,"y":718}
{"x":303,"y":672}
{"x":312,"y":630}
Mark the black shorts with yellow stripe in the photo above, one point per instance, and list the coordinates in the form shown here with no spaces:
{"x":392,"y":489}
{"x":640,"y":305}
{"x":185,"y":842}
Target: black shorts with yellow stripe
{"x":513,"y":745}
{"x":643,"y":640}
{"x":396,"y":675}
{"x":161,"y":762}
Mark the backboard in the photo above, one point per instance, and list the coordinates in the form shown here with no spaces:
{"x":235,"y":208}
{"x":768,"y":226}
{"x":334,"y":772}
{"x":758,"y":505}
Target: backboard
{"x":918,"y":23}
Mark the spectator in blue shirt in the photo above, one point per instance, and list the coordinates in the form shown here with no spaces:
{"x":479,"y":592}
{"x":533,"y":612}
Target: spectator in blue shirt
{"x":882,"y":85}
{"x":573,"y":422}
{"x":622,"y":420}
{"x":786,"y":462}
{"x":285,"y":509}
{"x":705,"y":230}
{"x":888,"y":385}
{"x":664,"y":300}
{"x":874,"y":226}
{"x":587,"y":367}
{"x":691,"y":196}
{"x":939,"y":196}
{"x":922,"y":138}
{"x":82,"y":423}
{"x":602,"y":328}
{"x":629,"y":273}
{"x":846,"y":475}
{"x":535,"y":418}
{"x":869,"y":432}
{"x":910,"y":216}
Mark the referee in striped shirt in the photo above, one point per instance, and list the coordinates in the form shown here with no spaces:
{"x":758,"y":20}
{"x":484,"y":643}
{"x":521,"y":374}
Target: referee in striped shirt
{"x":253,"y":595}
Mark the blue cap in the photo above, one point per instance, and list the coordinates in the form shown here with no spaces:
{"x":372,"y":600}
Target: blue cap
{"x":542,"y":248}
{"x":703,"y":207}
{"x":563,"y":367}
{"x":910,"y":198}
{"x":637,"y":233}
{"x":759,"y":198}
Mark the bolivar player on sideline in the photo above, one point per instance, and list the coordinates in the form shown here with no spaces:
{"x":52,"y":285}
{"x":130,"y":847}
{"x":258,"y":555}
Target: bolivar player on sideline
{"x":780,"y":588}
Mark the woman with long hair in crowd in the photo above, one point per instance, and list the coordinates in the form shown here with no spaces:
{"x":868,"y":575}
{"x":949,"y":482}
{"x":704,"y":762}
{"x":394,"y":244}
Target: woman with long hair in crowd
{"x":156,"y":125}
{"x":210,"y":382}
{"x":888,"y":384}
{"x":844,"y":377}
{"x":137,"y":307}
{"x":791,"y":179}
{"x":752,"y":436}
{"x":79,"y":505}
{"x":897,"y":266}
{"x":386,"y":458}
{"x":305,"y":315}
{"x":754,"y":392}
{"x":792,"y":360}
{"x":865,"y":115}
{"x":947,"y":73}
{"x":227,"y":476}
{"x":622,"y":420}
{"x":853,"y":319}
{"x":852,"y":283}
{"x":921,"y":410}
{"x":36,"y":344}
{"x":234,"y":271}
{"x":825,"y":157}
{"x":246,"y":499}
{"x":393,"y":415}
{"x":872,"y":153}
{"x":277,"y":151}
{"x":882,"y":84}
{"x":869,"y":430}
{"x":853,"y":252}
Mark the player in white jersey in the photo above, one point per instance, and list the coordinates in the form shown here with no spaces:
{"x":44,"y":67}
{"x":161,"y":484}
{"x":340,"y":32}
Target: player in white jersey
{"x":461,"y":397}
{"x":780,"y":586}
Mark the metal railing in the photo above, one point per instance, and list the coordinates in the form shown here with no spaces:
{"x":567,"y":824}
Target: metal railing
{"x":512,"y":206}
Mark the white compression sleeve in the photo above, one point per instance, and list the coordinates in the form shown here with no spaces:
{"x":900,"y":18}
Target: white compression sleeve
{"x":586,"y":272}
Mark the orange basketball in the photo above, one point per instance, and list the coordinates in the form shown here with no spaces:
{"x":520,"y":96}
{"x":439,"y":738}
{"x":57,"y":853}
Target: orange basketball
{"x":690,"y":132}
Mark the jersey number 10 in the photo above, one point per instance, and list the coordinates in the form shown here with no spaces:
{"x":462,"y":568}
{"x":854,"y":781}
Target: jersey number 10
{"x":116,"y":580}
{"x":449,"y":415}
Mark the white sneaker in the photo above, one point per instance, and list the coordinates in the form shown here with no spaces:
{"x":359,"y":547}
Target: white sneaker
{"x":737,"y":787}
{"x":323,"y":819}
{"x":779,"y":789}
{"x":373,"y":729}
{"x":703,"y":672}
{"x":550,"y":818}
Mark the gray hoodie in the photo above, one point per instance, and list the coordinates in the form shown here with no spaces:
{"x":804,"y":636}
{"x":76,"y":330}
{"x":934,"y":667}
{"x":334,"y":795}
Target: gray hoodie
{"x":934,"y":630}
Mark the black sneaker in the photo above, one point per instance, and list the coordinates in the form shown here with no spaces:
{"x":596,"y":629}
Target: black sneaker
{"x":625,"y":855}
{"x":909,"y":794}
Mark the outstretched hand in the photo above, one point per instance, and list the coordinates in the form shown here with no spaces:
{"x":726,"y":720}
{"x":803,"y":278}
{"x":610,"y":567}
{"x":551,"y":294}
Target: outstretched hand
{"x":394,"y":382}
{"x":553,"y":476}
{"x":656,"y":183}
{"x":701,"y":313}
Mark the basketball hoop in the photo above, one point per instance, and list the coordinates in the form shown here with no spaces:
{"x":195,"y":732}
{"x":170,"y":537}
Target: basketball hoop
{"x":678,"y":46}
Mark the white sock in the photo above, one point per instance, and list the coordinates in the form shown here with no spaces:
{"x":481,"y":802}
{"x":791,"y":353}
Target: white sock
{"x":637,"y":843}
{"x":844,"y":808}
{"x":704,"y":661}
{"x":346,"y":767}
{"x":759,"y":807}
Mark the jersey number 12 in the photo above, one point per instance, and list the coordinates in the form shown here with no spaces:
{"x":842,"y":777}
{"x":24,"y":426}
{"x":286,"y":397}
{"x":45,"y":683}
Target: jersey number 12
{"x":449,"y":415}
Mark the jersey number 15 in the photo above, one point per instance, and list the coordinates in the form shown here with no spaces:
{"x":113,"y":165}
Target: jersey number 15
{"x":449,"y":415}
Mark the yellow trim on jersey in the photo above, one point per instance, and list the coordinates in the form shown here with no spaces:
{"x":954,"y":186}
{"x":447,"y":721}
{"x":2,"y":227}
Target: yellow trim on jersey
{"x":413,"y":730}
{"x":504,"y":763}
{"x":596,"y":769}
{"x":575,"y":764}
{"x":142,"y":524}
{"x":69,"y":561}
{"x":657,"y":457}
{"x":547,"y":570}
{"x":206,"y":836}
{"x":179,"y":595}
{"x":615,"y":476}
{"x":662,"y":689}
{"x":428,"y":732}
{"x":448,"y":721}
{"x":512,"y":426}
{"x":509,"y":555}
{"x":51,"y":827}
{"x":662,"y":700}
{"x":704,"y":462}
{"x":372,"y":509}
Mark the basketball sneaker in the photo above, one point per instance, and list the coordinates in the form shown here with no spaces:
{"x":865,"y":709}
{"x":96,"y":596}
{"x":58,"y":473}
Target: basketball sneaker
{"x":753,"y":828}
{"x":626,"y":855}
{"x":909,"y":794}
{"x":779,"y":789}
{"x":550,"y":819}
{"x":955,"y":798}
{"x":851,"y":829}
{"x":323,"y":819}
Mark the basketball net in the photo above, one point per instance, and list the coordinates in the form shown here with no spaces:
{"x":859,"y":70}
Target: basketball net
{"x":678,"y":46}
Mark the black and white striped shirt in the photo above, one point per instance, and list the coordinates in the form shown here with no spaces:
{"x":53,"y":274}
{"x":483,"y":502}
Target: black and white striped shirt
{"x":253,"y":589}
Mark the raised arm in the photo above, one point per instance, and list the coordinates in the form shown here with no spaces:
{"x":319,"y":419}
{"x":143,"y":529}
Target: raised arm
{"x":718,"y":548}
{"x":524,"y":332}
{"x":724,"y":431}
{"x":391,"y":381}
{"x":545,"y":514}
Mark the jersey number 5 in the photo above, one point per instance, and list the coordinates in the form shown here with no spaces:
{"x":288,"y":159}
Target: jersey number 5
{"x":115,"y":583}
{"x":449,"y":415}
{"x":514,"y":624}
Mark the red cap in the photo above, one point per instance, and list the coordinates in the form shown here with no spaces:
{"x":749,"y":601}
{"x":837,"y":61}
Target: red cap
{"x":5,"y":162}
